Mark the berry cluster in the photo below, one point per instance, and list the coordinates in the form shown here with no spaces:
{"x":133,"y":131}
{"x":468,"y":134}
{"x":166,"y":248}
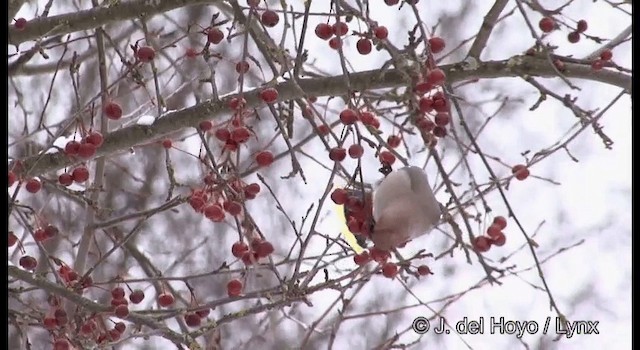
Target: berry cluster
{"x":494,"y":236}
{"x":249,"y":254}
{"x":214,"y":202}
{"x":388,"y":269}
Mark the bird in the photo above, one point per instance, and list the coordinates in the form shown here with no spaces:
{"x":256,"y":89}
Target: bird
{"x":403,"y":207}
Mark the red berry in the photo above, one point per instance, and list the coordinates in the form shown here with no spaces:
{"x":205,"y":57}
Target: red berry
{"x":335,"y":43}
{"x":116,"y":302}
{"x":340,"y":28}
{"x":232,"y":207}
{"x":375,"y":123}
{"x":146,"y":54}
{"x":264,"y":249}
{"x":381,"y":32}
{"x":264,"y":158}
{"x":234,"y":288}
{"x":436,"y":77}
{"x":364,"y":46}
{"x":481,"y":244}
{"x":12,"y":178}
{"x":424,"y":270}
{"x":500,"y":221}
{"x":391,"y":2}
{"x":393,"y":141}
{"x":354,"y":225}
{"x":362,"y":258}
{"x":238,"y":249}
{"x":547,"y":24}
{"x":117,"y":293}
{"x":442,"y":119}
{"x":337,"y":154}
{"x":33,"y":185}
{"x":222,"y":134}
{"x":389,"y":270}
{"x":387,"y":157}
{"x":113,"y":335}
{"x":214,"y":212}
{"x":573,"y":37}
{"x":95,"y":138}
{"x":136,"y":296}
{"x":120,"y":327}
{"x":242,"y":67}
{"x":379,"y":255}
{"x":270,"y":18}
{"x":356,"y":151}
{"x":192,"y":319}
{"x":520,"y":171}
{"x":12,"y":239}
{"x":113,"y":110}
{"x":440,"y":131}
{"x":493,"y":230}
{"x":191,"y":53}
{"x":214,"y":35}
{"x":240,"y":135}
{"x":203,"y":313}
{"x":367,"y":118}
{"x":28,"y":262}
{"x":582,"y":26}
{"x":88,"y":327}
{"x":323,"y":130}
{"x":348,"y":116}
{"x":39,"y":235}
{"x":440,"y":103}
{"x":205,"y":125}
{"x":606,"y":55}
{"x":425,"y":104}
{"x":80,"y":174}
{"x":49,"y":323}
{"x":249,"y":257}
{"x":499,"y":239}
{"x":20,"y":23}
{"x":307,"y":113}
{"x":253,"y":3}
{"x":51,"y":231}
{"x":86,"y":150}
{"x":324,"y":31}
{"x":71,"y":148}
{"x":597,"y":65}
{"x":165,"y":299}
{"x":253,"y":188}
{"x":231,"y":145}
{"x":339,"y":196}
{"x":269,"y":95}
{"x":425,"y":124}
{"x":436,"y":44}
{"x":65,"y":179}
{"x":121,"y":311}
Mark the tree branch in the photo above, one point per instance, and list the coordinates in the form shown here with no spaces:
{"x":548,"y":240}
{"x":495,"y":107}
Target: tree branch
{"x":87,"y":304}
{"x":131,"y":136}
{"x":95,"y":17}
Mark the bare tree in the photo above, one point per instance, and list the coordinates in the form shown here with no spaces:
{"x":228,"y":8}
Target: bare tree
{"x":185,"y":173}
